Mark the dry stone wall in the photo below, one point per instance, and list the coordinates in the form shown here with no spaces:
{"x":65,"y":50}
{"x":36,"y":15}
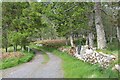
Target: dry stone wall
{"x":90,"y":55}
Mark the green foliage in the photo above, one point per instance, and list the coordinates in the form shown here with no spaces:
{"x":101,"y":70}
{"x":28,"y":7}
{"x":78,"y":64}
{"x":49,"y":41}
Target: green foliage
{"x":26,"y":59}
{"x":69,"y":17}
{"x":48,"y":21}
{"x":10,"y":62}
{"x":17,"y":38}
{"x":80,"y":41}
{"x":14,"y":38}
{"x":112,"y":48}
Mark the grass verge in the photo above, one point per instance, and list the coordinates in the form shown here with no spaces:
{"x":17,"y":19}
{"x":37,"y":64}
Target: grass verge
{"x":74,"y":68}
{"x":45,"y":55}
{"x":13,"y":61}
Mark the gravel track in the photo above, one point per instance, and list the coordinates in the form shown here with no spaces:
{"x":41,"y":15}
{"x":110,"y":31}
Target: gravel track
{"x":36,"y":69}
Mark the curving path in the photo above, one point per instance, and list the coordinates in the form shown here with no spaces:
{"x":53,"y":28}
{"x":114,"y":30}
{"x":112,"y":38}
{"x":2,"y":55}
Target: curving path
{"x":35,"y":68}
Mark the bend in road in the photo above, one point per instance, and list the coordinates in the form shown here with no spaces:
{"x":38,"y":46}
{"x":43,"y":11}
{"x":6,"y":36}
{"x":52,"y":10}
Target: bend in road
{"x":35,"y":68}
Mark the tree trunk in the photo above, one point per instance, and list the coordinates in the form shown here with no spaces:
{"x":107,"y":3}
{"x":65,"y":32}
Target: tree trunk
{"x":90,"y":35}
{"x":66,"y":42}
{"x":23,"y":48}
{"x":87,"y":41}
{"x":111,"y":39}
{"x":101,"y":41}
{"x":91,"y":38}
{"x":118,"y":33}
{"x":71,"y":41}
{"x":6,"y":49}
{"x":28,"y":49}
{"x":14,"y":49}
{"x":6,"y":45}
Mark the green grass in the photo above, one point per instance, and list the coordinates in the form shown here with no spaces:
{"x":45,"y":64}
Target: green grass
{"x":112,"y":48}
{"x":45,"y":55}
{"x":105,"y":51}
{"x":74,"y":68}
{"x":10,"y":62}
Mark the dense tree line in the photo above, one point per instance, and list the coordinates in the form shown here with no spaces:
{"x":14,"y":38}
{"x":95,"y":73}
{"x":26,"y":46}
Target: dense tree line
{"x":23,"y":21}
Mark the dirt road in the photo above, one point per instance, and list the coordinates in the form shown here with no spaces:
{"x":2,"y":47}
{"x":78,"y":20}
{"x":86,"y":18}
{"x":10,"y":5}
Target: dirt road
{"x":36,"y":69}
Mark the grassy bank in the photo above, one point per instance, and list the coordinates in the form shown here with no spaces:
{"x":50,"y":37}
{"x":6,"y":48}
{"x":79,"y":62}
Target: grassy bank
{"x":113,"y":49}
{"x":13,"y":61}
{"x":74,"y":68}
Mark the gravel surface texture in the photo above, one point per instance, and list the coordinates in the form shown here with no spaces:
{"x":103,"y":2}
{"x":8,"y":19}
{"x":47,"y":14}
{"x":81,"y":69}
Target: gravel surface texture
{"x":36,"y":69}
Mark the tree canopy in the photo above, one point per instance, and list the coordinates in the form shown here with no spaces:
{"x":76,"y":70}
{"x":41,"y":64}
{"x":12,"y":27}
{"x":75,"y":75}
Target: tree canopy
{"x":23,"y":21}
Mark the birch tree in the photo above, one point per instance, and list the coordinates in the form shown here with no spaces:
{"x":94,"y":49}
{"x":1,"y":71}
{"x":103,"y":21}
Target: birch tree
{"x":101,"y":41}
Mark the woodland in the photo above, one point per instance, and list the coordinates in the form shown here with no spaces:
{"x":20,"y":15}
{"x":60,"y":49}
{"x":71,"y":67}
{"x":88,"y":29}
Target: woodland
{"x":60,"y":27}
